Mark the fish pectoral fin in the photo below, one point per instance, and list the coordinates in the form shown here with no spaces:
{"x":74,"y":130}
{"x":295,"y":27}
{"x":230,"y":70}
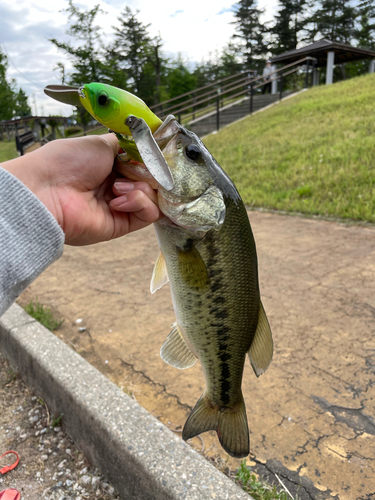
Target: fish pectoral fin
{"x":159,"y":274}
{"x":261,"y":349}
{"x":175,"y":350}
{"x":193,"y":270}
{"x":229,"y":423}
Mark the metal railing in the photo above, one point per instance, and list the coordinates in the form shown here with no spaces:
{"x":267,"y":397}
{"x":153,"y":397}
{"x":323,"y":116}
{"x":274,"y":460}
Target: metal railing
{"x":197,"y":98}
{"x":221,"y":95}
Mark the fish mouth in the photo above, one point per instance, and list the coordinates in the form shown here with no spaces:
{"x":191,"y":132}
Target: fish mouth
{"x":162,"y":142}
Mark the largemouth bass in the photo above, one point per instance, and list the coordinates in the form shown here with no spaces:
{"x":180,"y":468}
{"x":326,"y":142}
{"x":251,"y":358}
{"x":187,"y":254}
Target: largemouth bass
{"x":208,"y":254}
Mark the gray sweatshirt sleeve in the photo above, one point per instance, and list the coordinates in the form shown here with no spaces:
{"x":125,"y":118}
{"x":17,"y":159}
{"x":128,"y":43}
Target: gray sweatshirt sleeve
{"x":30,"y":238}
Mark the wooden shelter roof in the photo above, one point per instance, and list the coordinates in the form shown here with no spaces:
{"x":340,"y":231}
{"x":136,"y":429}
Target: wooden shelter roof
{"x":343,"y":53}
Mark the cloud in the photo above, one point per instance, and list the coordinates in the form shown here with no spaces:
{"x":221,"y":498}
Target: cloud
{"x":176,"y":13}
{"x":226,"y":9}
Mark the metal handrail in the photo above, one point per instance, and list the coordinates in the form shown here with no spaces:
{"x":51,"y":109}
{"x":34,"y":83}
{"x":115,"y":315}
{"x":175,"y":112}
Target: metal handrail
{"x":280,"y":72}
{"x":160,"y":104}
{"x":212,"y":93}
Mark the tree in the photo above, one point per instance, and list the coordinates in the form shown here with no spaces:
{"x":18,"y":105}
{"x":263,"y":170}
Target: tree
{"x":290,"y":22}
{"x":365,"y":32}
{"x":180,"y":79}
{"x":335,"y":20}
{"x":12,"y":103}
{"x":87,"y":57}
{"x":250,"y":32}
{"x":132,"y":46}
{"x":22,"y":107}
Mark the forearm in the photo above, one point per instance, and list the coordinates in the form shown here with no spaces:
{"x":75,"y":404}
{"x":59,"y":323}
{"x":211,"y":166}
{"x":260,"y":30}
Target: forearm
{"x":30,"y":238}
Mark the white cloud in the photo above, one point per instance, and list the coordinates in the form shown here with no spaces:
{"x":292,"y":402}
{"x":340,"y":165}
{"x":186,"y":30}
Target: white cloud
{"x":194,"y":30}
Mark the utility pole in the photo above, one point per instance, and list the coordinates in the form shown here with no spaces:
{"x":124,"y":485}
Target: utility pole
{"x":36,"y":109}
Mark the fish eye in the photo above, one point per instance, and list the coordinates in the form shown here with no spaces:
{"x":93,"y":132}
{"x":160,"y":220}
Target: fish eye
{"x":193,"y":152}
{"x":103,"y":98}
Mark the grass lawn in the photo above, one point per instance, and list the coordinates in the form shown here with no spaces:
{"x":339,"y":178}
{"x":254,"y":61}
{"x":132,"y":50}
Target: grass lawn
{"x":313,"y":153}
{"x":8,"y":150}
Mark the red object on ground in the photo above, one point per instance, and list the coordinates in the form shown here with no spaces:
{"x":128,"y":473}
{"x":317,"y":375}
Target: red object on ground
{"x":10,"y":495}
{"x":7,"y":468}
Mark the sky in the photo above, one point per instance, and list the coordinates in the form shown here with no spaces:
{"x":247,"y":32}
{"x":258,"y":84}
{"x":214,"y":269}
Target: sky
{"x":192,"y":28}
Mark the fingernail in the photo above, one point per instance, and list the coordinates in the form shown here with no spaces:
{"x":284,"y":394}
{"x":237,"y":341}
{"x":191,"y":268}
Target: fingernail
{"x":124,"y":187}
{"x":118,"y":202}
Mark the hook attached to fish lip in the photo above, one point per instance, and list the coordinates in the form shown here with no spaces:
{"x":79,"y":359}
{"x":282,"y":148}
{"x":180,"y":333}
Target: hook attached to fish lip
{"x":150,"y":152}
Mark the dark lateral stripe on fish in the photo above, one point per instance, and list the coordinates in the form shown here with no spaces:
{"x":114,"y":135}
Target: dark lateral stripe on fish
{"x":225,"y":375}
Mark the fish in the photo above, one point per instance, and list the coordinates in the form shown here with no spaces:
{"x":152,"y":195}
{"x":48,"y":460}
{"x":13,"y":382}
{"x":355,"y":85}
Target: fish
{"x":208,"y":256}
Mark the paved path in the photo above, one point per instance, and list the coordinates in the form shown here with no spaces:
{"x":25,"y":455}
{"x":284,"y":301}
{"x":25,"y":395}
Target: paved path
{"x":312,"y":414}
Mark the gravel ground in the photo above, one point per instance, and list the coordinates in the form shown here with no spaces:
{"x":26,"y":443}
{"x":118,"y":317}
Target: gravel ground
{"x":51,"y":467}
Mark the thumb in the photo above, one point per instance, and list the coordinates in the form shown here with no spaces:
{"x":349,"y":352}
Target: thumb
{"x":112,"y":141}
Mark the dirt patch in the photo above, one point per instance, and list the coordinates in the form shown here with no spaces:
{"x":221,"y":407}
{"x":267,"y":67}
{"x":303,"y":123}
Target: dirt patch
{"x":51,"y":467}
{"x":307,"y":413}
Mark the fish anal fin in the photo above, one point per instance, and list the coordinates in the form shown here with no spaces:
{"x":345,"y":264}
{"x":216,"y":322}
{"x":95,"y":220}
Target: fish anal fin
{"x":193,"y":270}
{"x":229,"y":423}
{"x":261,"y":349}
{"x":175,"y":350}
{"x":159,"y":274}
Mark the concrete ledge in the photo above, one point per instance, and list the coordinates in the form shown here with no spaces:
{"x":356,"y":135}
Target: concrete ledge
{"x":141,"y":457}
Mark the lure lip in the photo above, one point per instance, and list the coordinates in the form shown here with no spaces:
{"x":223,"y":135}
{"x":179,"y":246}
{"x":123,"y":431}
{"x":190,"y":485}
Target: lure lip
{"x":150,"y":152}
{"x":64,"y":93}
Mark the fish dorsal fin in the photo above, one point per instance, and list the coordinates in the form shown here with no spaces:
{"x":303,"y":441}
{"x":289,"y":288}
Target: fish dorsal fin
{"x":175,"y":350}
{"x":193,"y":270}
{"x":159,"y":274}
{"x":261,"y":349}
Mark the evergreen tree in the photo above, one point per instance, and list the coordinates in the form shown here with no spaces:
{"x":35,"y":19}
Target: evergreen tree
{"x":335,"y":20}
{"x":180,"y":79}
{"x":365,"y":32}
{"x":228,"y":61}
{"x":7,"y":100}
{"x":250,"y":32}
{"x":87,"y":57}
{"x":22,"y":107}
{"x":290,"y":22}
{"x":132,"y":45}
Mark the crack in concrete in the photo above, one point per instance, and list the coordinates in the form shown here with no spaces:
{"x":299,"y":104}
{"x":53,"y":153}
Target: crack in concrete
{"x":348,"y":386}
{"x":300,"y":486}
{"x":352,"y":417}
{"x":150,"y":381}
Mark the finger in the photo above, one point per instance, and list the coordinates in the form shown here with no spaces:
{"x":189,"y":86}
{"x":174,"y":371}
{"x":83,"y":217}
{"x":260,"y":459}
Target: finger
{"x":112,"y":141}
{"x":124,"y":186}
{"x":139,"y":203}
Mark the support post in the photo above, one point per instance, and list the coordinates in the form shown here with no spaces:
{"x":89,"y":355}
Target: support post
{"x":251,"y":98}
{"x":371,"y":66}
{"x":316,"y":77}
{"x":330,"y":63}
{"x":307,"y":73}
{"x":281,"y":87}
{"x":218,"y":112}
{"x":274,"y":85}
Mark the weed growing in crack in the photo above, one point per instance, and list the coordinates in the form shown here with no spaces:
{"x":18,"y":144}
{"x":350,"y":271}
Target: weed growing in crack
{"x":258,"y":490}
{"x":43,"y":315}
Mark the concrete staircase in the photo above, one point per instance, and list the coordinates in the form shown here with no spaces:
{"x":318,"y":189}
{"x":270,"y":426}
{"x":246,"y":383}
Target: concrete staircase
{"x":231,"y":112}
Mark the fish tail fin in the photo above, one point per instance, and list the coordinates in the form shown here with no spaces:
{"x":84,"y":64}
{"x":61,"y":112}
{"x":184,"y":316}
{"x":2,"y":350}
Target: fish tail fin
{"x":229,"y":423}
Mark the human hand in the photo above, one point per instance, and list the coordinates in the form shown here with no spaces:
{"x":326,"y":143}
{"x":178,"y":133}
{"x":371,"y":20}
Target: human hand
{"x":75,"y":181}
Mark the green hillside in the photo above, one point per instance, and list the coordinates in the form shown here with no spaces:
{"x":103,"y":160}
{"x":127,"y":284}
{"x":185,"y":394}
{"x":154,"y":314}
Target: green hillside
{"x":313,"y":153}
